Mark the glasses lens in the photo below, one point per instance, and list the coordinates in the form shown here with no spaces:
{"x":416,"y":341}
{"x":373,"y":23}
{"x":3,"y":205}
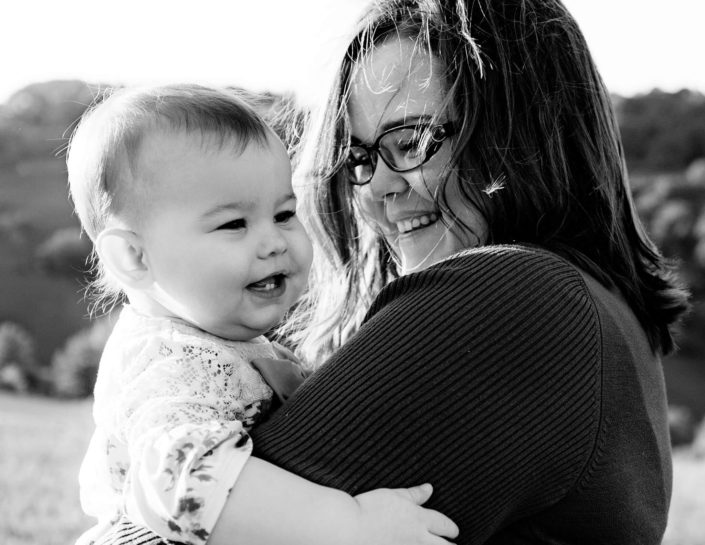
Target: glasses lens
{"x":407,"y":147}
{"x":359,"y":165}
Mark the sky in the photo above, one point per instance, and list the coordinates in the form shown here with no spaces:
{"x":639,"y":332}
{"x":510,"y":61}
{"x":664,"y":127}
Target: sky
{"x":289,"y":45}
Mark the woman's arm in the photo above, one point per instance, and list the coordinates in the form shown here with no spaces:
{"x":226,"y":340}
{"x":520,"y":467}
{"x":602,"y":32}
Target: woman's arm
{"x":269,"y":505}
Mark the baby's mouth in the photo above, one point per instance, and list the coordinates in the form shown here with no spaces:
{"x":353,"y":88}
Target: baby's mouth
{"x":271,"y":286}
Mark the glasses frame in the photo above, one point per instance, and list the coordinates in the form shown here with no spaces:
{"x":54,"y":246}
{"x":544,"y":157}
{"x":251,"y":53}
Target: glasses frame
{"x":373,"y":150}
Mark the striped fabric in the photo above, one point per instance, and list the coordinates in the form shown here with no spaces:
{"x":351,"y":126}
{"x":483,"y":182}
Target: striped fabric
{"x":127,"y":533}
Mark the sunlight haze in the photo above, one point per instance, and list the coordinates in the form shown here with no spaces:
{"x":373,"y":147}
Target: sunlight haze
{"x":282,"y":45}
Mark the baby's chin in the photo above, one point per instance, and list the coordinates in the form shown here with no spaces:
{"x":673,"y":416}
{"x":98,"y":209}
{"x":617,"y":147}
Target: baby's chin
{"x":240,"y":331}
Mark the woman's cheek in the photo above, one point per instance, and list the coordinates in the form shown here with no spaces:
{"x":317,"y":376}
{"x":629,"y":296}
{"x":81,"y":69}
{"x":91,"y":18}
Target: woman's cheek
{"x":372,"y":211}
{"x":468,"y":223}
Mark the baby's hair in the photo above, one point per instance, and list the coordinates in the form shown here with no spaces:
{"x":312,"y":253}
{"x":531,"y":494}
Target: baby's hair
{"x":104,"y":148}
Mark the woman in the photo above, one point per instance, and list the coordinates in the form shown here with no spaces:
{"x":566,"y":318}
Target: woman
{"x":468,"y":160}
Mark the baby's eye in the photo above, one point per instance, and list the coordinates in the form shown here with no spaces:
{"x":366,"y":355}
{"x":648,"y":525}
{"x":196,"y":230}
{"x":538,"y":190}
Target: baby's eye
{"x":285,"y":216}
{"x":233,"y":225}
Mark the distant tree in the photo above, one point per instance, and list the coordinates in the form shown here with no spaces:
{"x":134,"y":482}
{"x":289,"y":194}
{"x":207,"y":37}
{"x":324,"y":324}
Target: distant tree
{"x":11,"y":144}
{"x":672,"y":227}
{"x":695,"y":173}
{"x":75,"y":366}
{"x":58,"y":102}
{"x":681,"y":424}
{"x":672,"y":207}
{"x":36,"y":121}
{"x":699,"y":233}
{"x":662,"y":132}
{"x":15,"y":227}
{"x":64,"y":253}
{"x":17,"y":356}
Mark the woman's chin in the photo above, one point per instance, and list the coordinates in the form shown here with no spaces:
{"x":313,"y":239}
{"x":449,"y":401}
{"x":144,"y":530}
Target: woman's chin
{"x":418,"y":250}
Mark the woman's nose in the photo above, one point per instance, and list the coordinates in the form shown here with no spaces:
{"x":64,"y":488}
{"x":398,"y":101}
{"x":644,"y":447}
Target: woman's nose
{"x":272,"y":243}
{"x":385,"y":182}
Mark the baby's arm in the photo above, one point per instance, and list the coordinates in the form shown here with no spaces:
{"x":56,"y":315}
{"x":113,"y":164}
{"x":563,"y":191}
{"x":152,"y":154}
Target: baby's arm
{"x":269,"y":505}
{"x":283,"y":374}
{"x":176,"y":415}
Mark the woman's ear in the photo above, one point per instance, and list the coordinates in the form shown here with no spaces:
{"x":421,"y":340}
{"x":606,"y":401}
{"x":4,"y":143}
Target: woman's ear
{"x":122,"y":253}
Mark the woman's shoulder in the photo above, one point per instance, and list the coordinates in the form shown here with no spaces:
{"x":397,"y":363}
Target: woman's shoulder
{"x":495,"y":271}
{"x":505,"y":288}
{"x":522,"y":258}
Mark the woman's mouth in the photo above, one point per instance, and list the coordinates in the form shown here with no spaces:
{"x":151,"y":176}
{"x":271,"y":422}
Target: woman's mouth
{"x":269,"y":287}
{"x":418,"y":222}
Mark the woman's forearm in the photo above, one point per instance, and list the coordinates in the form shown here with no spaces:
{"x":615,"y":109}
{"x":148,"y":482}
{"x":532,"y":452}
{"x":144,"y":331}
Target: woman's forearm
{"x":269,"y":505}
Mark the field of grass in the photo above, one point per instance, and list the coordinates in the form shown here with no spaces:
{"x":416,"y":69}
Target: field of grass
{"x":687,"y":517}
{"x":43,"y":441}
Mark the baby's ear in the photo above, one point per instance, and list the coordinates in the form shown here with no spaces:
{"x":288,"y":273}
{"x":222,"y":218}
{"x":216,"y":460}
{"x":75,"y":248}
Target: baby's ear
{"x":122,"y":253}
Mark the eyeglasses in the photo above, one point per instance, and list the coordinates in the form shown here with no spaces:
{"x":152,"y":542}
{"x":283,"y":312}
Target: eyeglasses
{"x":402,"y":149}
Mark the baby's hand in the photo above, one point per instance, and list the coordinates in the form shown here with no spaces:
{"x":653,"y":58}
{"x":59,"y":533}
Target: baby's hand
{"x":395,"y":517}
{"x":284,"y":374}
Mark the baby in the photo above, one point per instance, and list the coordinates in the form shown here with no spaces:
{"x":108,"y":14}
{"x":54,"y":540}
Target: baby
{"x":187,"y":197}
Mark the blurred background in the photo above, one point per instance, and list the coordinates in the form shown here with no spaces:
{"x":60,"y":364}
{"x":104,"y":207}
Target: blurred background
{"x":58,"y":56}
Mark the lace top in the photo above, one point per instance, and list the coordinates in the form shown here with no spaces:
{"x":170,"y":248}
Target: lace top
{"x":173,"y":405}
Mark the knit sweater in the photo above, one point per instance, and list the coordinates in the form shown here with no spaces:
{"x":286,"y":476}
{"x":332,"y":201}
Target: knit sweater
{"x":517,"y":385}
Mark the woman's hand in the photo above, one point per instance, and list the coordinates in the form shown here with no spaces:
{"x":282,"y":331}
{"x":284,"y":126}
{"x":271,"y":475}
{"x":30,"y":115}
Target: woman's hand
{"x":395,"y":516}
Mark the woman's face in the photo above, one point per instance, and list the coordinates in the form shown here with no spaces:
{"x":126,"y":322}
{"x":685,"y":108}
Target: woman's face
{"x":399,"y":85}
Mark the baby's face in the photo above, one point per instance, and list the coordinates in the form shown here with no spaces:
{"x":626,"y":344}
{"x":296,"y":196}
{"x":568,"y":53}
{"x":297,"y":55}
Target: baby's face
{"x":222,"y":238}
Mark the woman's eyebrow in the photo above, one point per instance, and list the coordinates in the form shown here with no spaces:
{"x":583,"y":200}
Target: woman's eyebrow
{"x":397,"y":122}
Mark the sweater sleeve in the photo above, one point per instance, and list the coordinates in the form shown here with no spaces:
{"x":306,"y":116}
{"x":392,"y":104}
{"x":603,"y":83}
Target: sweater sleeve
{"x":480,"y":375}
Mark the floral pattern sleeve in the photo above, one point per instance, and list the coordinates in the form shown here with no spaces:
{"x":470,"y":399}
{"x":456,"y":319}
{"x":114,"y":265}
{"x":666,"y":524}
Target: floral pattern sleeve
{"x":185,"y":425}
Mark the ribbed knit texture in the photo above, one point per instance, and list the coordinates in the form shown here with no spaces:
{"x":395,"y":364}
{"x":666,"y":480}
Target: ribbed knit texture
{"x":477,"y":375}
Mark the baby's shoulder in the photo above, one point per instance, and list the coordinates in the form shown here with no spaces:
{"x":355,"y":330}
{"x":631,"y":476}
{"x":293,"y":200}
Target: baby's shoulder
{"x":155,"y":345}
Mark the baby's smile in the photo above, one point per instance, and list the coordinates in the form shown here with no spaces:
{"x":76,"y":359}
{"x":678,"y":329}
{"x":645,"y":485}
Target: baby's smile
{"x":270,"y":287}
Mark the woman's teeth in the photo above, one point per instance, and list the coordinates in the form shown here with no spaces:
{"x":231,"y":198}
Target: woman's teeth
{"x":408,"y":225}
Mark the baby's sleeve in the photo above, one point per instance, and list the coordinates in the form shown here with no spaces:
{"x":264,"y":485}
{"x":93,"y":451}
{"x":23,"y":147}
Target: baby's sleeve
{"x":186,"y":448}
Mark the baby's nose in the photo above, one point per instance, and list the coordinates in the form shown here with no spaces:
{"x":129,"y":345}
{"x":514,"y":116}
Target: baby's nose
{"x":272,"y":243}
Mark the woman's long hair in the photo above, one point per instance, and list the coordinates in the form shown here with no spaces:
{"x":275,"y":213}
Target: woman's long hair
{"x":538,"y":152}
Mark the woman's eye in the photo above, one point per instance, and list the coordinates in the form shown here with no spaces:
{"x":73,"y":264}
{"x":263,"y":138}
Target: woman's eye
{"x":411,"y":146}
{"x":233,"y":225}
{"x":283,"y":217}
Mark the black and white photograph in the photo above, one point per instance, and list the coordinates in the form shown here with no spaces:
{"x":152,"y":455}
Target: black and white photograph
{"x":352,"y":272}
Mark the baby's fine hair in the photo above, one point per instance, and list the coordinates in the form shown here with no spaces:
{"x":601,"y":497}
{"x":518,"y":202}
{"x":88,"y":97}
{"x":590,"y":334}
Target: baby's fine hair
{"x":104,"y":148}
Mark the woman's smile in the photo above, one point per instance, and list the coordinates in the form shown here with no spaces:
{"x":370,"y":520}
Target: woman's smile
{"x":417,"y":222}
